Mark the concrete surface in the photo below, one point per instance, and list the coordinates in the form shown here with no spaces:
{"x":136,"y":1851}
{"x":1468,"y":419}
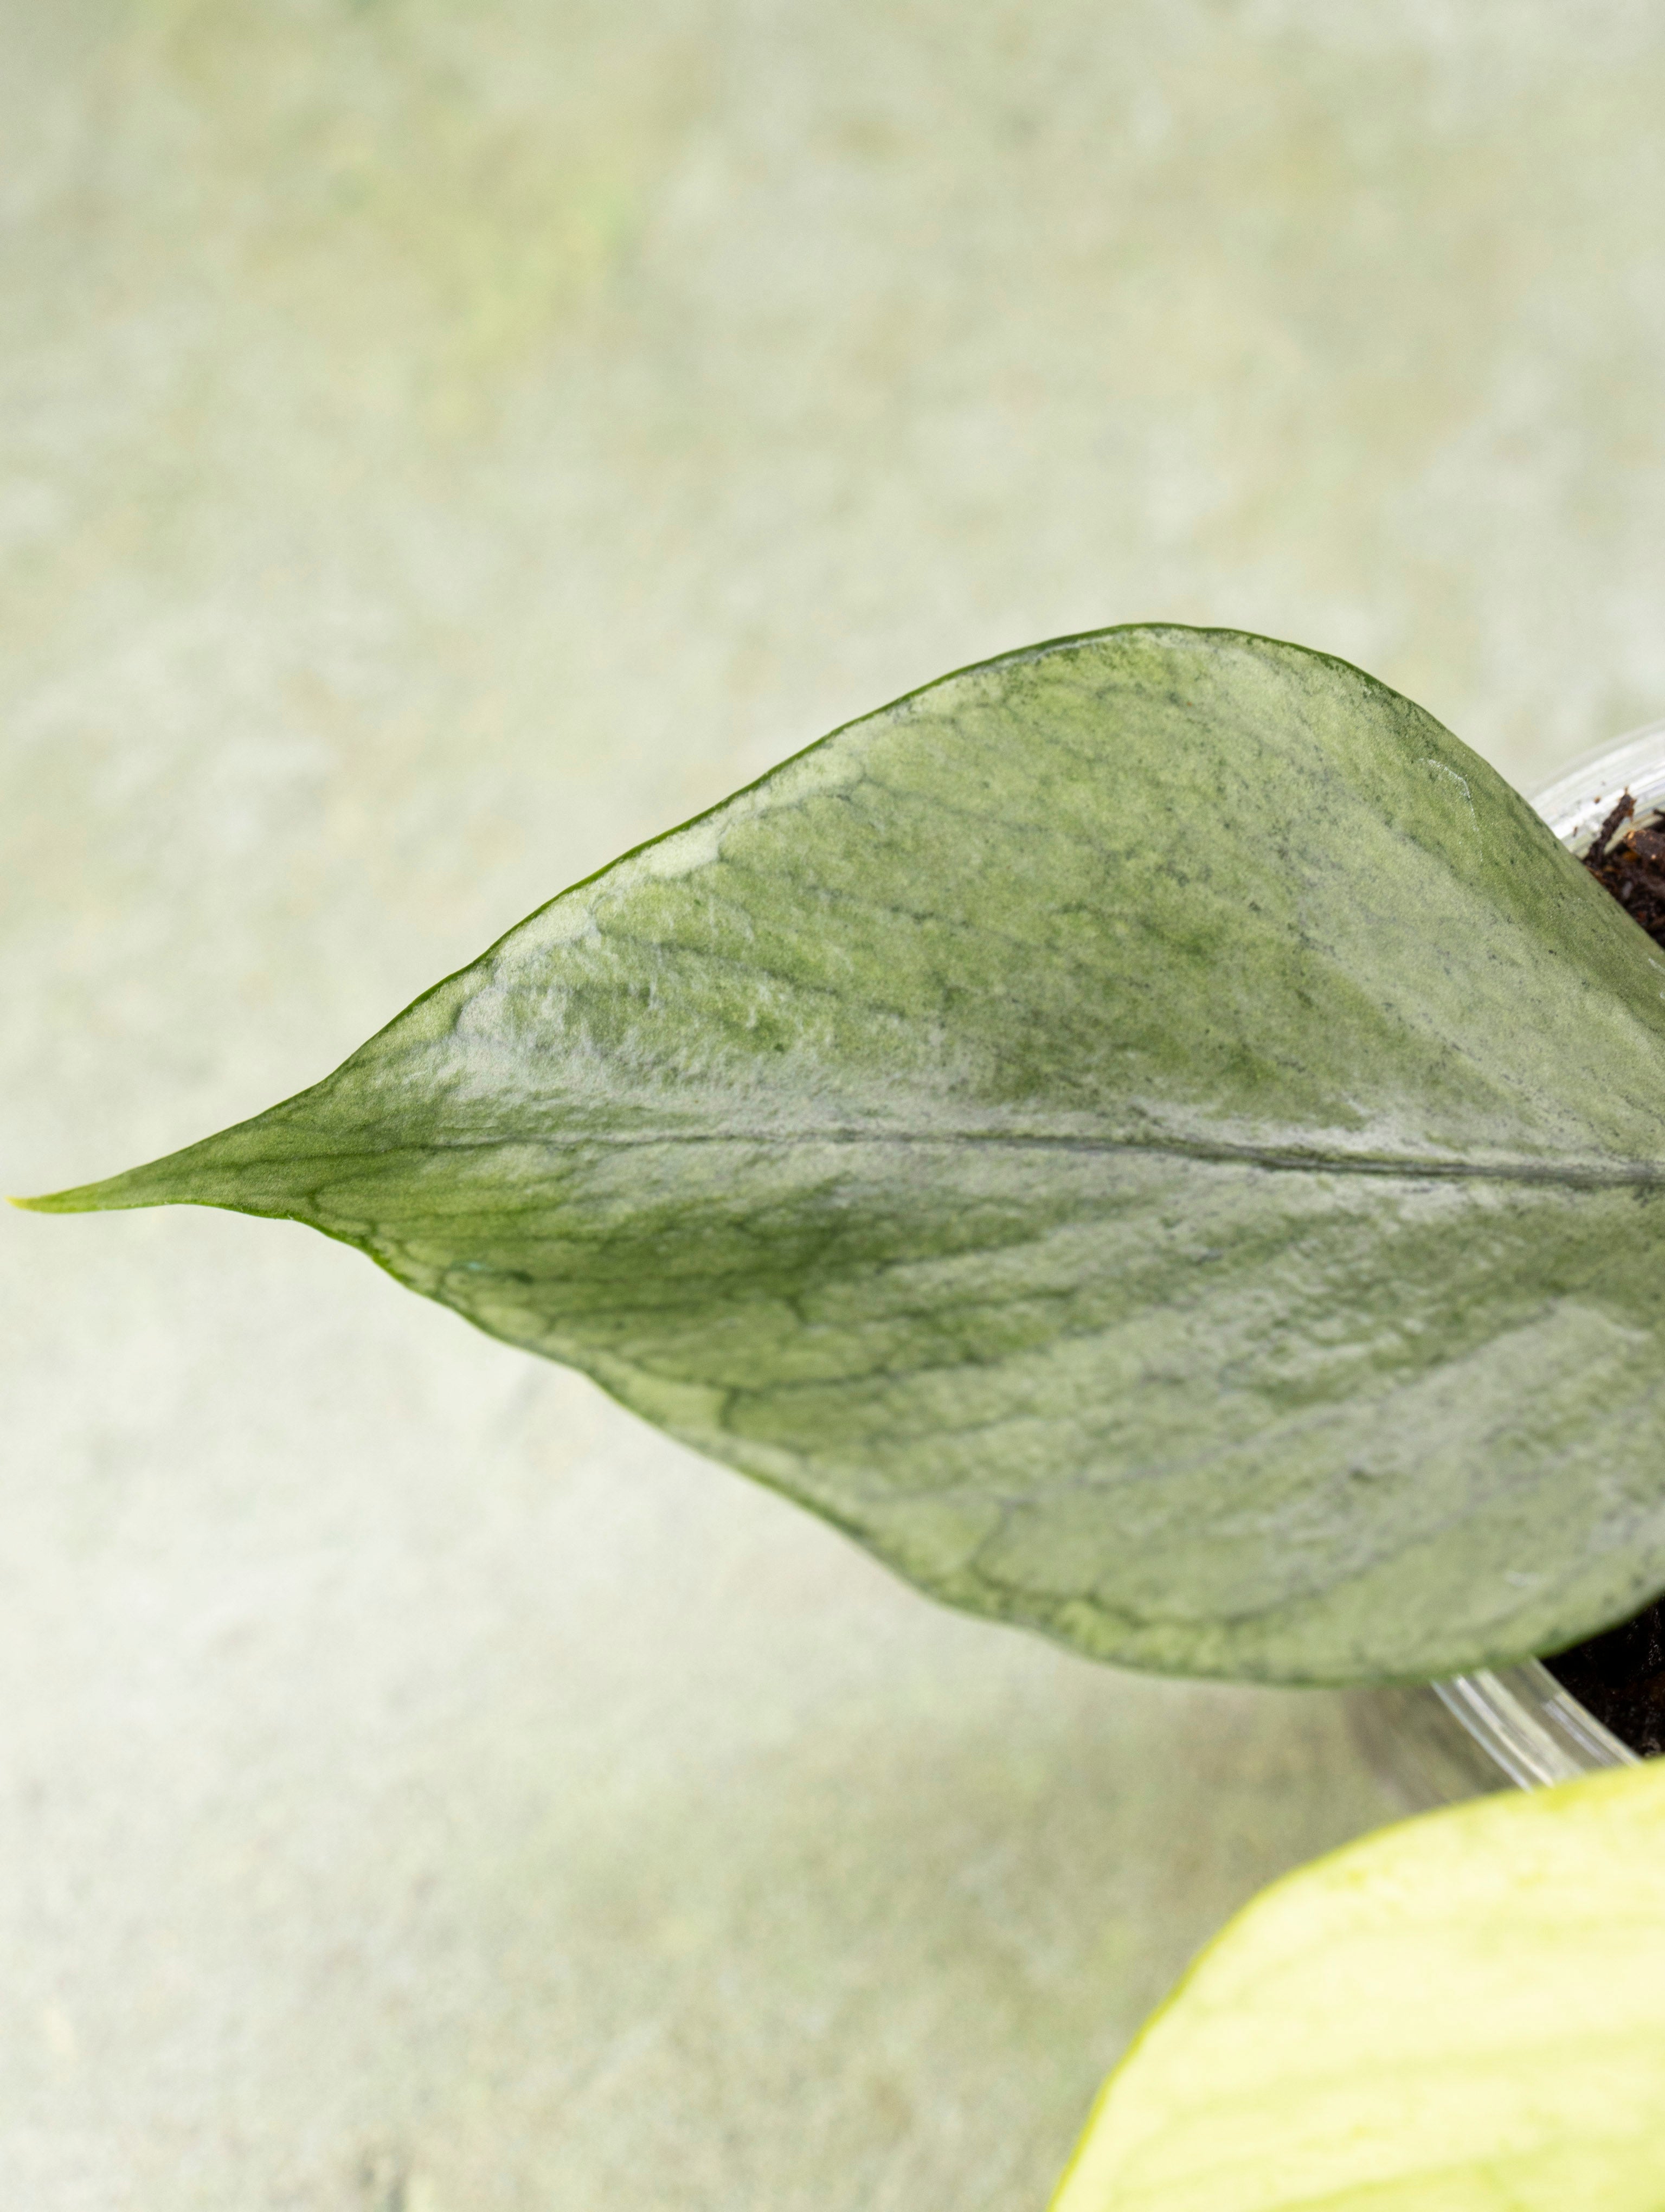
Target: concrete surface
{"x":444,"y":444}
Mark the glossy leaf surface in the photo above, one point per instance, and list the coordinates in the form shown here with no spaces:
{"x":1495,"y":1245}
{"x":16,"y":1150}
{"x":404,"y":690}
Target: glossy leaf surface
{"x":1466,"y":2014}
{"x":1151,"y":1135}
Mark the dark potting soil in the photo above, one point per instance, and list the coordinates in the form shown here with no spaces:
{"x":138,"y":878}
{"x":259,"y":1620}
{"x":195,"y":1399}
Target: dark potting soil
{"x":1631,"y":864}
{"x":1619,"y":1676}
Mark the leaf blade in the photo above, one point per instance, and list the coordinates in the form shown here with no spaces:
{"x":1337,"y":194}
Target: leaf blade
{"x":1171,"y":981}
{"x":1459,"y":2014}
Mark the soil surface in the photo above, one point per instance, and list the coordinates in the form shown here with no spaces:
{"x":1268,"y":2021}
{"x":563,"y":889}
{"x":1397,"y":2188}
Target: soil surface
{"x":1630,"y":862}
{"x":1619,"y":1676}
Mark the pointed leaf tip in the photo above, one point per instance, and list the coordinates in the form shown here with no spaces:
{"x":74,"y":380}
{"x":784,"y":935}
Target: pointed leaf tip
{"x":243,"y":1168}
{"x":109,"y":1196}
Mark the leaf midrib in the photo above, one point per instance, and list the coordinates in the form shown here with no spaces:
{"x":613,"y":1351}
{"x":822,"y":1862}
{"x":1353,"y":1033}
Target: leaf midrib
{"x":1587,"y":1174}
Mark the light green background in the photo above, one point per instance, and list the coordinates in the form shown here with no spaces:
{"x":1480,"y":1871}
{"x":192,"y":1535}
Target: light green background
{"x":445,"y":444}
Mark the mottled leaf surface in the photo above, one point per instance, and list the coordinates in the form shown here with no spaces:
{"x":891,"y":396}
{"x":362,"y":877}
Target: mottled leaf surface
{"x":1464,"y":2013}
{"x":1151,"y":1135}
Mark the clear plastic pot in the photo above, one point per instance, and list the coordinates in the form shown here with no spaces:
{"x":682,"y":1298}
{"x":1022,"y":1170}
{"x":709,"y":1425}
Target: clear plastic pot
{"x":1514,"y":1725}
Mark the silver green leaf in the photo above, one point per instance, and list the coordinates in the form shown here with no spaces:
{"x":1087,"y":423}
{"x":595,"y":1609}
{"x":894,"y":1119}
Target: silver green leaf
{"x":1151,"y":1135}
